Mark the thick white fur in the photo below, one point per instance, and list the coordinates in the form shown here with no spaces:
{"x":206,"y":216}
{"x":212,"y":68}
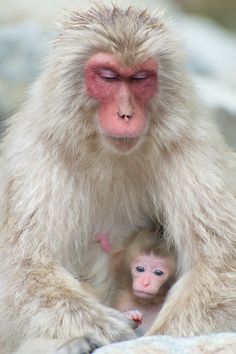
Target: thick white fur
{"x":61,"y":184}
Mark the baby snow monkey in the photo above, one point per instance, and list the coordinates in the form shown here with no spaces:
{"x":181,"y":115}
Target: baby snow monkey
{"x":145,"y":273}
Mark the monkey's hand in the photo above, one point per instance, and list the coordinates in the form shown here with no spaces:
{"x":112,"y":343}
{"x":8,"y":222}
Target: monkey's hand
{"x":136,"y":316}
{"x":101,"y":325}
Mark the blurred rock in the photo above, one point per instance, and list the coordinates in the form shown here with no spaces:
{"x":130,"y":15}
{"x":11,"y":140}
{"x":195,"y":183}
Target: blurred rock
{"x":45,"y":12}
{"x":212,"y":62}
{"x":21,"y":52}
{"x":211,"y":49}
{"x":222,"y":11}
{"x":223,"y":343}
{"x":221,"y":102}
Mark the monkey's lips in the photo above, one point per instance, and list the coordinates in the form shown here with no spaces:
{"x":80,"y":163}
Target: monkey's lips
{"x":122,"y":144}
{"x":144,"y":295}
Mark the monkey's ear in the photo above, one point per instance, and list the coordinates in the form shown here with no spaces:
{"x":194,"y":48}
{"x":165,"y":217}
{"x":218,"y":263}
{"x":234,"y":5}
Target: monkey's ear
{"x":116,"y":258}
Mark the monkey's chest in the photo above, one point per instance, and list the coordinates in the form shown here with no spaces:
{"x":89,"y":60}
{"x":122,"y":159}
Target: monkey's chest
{"x":110,"y":232}
{"x":149,"y":315}
{"x":121,"y":212}
{"x":114,"y":215}
{"x":118,"y":199}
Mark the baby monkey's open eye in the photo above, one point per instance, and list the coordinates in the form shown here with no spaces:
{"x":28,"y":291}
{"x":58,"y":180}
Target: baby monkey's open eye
{"x":158,"y":272}
{"x":140,"y":269}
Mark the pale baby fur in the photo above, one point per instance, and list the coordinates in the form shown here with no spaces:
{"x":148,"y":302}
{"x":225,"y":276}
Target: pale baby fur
{"x":61,"y":184}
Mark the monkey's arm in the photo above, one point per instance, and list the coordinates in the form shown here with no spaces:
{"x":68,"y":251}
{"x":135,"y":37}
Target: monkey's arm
{"x":41,"y":297}
{"x":124,"y":303}
{"x":200,"y":220}
{"x":123,"y":300}
{"x":51,"y":303}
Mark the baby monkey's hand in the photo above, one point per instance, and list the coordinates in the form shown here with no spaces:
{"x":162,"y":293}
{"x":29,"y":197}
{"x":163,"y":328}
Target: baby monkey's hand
{"x":136,"y":316}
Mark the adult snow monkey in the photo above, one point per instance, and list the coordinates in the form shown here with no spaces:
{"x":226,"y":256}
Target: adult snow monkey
{"x":111,"y":139}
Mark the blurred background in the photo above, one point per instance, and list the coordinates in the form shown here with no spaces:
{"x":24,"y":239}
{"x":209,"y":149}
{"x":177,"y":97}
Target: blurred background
{"x":207,"y":26}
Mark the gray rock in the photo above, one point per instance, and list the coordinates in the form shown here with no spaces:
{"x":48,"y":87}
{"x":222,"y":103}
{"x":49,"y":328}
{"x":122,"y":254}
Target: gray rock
{"x":221,"y":343}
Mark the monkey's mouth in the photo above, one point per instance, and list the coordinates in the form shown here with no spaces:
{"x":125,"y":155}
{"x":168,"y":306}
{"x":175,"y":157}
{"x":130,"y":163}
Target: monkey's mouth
{"x":143,"y":295}
{"x":122,"y":144}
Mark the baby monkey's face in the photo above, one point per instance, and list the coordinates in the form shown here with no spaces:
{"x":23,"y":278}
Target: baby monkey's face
{"x":149,"y":272}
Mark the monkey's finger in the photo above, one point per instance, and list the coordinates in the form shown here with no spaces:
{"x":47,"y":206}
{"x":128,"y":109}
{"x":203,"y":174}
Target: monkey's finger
{"x":137,"y":315}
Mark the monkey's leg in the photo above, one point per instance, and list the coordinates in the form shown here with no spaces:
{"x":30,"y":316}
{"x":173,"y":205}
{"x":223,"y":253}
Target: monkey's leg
{"x":202,"y":301}
{"x":39,"y":346}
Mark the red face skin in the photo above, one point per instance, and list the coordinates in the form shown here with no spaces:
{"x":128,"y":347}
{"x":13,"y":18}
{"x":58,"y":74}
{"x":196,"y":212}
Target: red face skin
{"x":149,"y":273}
{"x":123,"y":93}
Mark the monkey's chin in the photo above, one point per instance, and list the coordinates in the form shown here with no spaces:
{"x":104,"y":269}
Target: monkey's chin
{"x":124,"y":144}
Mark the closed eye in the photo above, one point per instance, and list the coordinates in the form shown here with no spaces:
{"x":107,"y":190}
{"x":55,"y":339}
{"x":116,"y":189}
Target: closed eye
{"x":108,"y":74}
{"x":142,"y":75}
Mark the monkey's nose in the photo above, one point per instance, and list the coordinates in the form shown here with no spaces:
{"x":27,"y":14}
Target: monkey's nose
{"x":125,"y":117}
{"x":146,"y":282}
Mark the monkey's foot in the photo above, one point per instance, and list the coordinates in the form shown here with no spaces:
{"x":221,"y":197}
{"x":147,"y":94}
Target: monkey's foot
{"x":81,"y":345}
